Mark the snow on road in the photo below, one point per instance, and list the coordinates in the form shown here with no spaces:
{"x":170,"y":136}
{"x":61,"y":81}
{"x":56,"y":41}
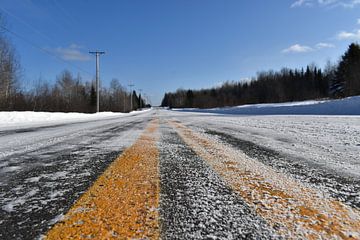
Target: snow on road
{"x":288,"y":205}
{"x":331,"y":142}
{"x":44,"y":169}
{"x":326,"y":133}
{"x":196,"y":203}
{"x":320,"y":150}
{"x":45,"y":165}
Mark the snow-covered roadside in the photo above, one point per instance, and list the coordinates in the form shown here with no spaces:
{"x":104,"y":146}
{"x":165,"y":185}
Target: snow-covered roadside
{"x":16,"y":120}
{"x":346,"y":106}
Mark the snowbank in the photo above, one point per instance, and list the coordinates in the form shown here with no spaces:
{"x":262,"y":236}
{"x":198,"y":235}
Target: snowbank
{"x":346,"y":106}
{"x":24,"y":119}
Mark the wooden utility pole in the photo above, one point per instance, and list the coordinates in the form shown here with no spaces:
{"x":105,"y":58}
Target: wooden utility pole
{"x":97,"y":54}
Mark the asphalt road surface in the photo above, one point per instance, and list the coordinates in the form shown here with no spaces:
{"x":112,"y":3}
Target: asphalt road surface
{"x":176,"y":175}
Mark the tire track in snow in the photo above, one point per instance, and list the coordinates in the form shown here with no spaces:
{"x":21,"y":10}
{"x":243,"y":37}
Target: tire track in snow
{"x":195,"y":203}
{"x":344,"y":188}
{"x":294,"y":210}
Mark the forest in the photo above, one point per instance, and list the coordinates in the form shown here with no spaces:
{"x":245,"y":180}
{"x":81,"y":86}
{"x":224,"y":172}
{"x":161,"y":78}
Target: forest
{"x":68,"y":93}
{"x":337,"y":80}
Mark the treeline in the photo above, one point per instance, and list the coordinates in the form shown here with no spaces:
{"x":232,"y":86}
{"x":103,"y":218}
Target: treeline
{"x":68,"y":94}
{"x":336,"y":81}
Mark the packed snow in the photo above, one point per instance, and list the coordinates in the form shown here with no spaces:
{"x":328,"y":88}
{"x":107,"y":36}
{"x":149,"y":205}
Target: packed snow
{"x":330,"y":141}
{"x":346,"y":106}
{"x":326,"y":133}
{"x":195,"y":203}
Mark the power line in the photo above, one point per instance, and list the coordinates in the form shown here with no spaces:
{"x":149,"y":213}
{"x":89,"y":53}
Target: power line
{"x":25,"y":23}
{"x":45,"y":50}
{"x":35,"y":45}
{"x":64,"y":11}
{"x":41,"y":8}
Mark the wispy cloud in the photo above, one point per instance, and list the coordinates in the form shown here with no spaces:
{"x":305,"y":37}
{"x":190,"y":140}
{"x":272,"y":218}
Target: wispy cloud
{"x":299,"y":3}
{"x":323,"y":45}
{"x":302,"y":3}
{"x":71,"y":53}
{"x":358,"y":21}
{"x":326,"y":3}
{"x":344,"y":35}
{"x":297,"y":48}
{"x":350,"y":4}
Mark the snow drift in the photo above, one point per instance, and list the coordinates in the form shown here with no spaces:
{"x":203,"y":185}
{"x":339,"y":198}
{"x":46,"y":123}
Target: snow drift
{"x":346,"y":106}
{"x":27,"y":118}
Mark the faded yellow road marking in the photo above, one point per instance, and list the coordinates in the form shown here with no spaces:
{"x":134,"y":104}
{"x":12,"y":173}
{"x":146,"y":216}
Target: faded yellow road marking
{"x":294,"y":210}
{"x":123,"y":202}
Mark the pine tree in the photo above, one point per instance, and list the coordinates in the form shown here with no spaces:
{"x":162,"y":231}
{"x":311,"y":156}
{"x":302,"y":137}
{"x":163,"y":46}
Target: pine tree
{"x":189,"y":99}
{"x":92,"y":98}
{"x":348,"y":72}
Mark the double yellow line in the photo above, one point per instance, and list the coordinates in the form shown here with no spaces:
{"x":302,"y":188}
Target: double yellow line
{"x":123,"y":202}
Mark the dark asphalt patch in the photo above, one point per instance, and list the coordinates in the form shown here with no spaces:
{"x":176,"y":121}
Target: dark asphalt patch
{"x":195,"y":203}
{"x":345,"y":189}
{"x":38,"y":212}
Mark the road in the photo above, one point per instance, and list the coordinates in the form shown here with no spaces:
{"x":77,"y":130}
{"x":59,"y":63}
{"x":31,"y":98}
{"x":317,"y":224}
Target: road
{"x":176,"y":175}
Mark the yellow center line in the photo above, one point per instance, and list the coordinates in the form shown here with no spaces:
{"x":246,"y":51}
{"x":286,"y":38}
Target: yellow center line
{"x":123,"y":202}
{"x":293,"y":209}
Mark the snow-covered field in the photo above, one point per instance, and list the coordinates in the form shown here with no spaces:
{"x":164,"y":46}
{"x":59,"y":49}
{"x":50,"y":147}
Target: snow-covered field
{"x":346,"y":106}
{"x":30,"y":119}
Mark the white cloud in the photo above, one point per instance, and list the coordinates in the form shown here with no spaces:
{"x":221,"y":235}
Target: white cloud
{"x":350,"y":4}
{"x":299,"y":3}
{"x":322,"y":45}
{"x":297,"y":48}
{"x":344,"y":35}
{"x":71,"y":53}
{"x":326,"y":3}
{"x":358,"y":21}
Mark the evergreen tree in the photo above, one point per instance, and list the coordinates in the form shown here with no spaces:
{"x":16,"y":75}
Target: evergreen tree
{"x":189,"y":98}
{"x":348,"y":72}
{"x":165,"y":100}
{"x":93,"y":98}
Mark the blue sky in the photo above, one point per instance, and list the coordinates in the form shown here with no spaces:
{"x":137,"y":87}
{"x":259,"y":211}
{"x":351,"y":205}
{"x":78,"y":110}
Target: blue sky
{"x":162,"y":45}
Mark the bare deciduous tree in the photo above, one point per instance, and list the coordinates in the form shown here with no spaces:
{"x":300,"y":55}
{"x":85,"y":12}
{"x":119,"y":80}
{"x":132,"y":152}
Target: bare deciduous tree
{"x":9,"y":72}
